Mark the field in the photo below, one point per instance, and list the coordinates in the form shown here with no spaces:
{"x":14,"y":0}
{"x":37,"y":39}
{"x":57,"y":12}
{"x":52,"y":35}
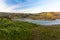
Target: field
{"x":18,"y":30}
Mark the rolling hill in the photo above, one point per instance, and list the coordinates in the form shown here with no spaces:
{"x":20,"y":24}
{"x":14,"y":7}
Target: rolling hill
{"x":37,"y":16}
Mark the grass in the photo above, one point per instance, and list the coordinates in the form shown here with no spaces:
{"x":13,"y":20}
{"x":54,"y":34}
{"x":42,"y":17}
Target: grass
{"x":46,"y":33}
{"x":17,"y":30}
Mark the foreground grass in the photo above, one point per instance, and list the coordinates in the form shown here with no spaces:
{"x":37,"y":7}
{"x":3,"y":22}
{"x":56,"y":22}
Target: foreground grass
{"x":46,"y":33}
{"x":17,"y":30}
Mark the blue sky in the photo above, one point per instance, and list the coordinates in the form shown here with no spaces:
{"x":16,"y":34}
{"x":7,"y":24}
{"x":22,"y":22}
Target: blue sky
{"x":29,"y":6}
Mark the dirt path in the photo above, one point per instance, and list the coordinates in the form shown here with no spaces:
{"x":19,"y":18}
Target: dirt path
{"x":35,"y":34}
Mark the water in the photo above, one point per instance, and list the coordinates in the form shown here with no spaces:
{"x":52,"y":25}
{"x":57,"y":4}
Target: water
{"x":41,"y":22}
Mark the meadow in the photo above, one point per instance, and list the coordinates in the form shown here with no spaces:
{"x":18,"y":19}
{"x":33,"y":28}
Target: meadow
{"x":18,"y":30}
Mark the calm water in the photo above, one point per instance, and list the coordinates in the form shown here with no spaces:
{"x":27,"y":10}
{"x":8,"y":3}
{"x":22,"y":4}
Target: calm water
{"x":41,"y":22}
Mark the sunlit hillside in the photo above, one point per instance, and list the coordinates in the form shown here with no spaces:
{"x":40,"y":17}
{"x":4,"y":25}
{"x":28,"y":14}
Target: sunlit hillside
{"x":46,"y":15}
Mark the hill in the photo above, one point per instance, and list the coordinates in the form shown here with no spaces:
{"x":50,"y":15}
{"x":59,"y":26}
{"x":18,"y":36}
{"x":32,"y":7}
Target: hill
{"x":13,"y":15}
{"x":37,"y":16}
{"x":45,"y":16}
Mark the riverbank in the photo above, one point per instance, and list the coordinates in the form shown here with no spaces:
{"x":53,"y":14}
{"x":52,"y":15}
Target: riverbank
{"x":18,"y":30}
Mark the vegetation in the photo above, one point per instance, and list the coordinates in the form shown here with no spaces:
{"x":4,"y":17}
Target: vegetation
{"x":17,"y":30}
{"x":37,"y":16}
{"x":46,"y":33}
{"x":43,"y":16}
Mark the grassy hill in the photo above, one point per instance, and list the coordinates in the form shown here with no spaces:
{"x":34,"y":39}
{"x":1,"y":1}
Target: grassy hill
{"x":17,"y":30}
{"x":13,"y":15}
{"x":45,"y":16}
{"x":39,"y":16}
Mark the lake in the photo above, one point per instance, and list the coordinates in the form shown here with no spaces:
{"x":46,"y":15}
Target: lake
{"x":41,"y":22}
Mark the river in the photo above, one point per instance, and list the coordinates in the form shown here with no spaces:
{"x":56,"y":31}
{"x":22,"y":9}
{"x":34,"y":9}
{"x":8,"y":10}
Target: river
{"x":41,"y":22}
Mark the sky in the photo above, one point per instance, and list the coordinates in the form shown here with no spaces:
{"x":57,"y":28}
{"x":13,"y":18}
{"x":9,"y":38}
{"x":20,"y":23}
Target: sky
{"x":29,"y":6}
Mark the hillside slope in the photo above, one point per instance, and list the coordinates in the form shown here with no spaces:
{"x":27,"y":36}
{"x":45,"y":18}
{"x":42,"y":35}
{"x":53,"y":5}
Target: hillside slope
{"x":17,"y":30}
{"x":45,"y":16}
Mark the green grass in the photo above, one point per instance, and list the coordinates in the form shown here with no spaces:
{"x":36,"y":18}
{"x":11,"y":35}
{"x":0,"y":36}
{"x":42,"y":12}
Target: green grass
{"x":46,"y":33}
{"x":17,"y":30}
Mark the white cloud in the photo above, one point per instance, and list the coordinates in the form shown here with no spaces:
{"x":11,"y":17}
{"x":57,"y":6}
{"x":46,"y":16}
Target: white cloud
{"x":3,"y":7}
{"x":49,"y":6}
{"x":52,"y":6}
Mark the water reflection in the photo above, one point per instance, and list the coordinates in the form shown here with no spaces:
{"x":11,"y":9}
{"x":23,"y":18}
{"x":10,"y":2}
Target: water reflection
{"x":41,"y":22}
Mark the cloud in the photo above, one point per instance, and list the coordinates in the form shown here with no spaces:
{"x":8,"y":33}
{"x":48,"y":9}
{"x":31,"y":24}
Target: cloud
{"x":47,"y":6}
{"x":15,"y":8}
{"x":3,"y":7}
{"x":30,"y":6}
{"x":10,"y":8}
{"x":21,"y":4}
